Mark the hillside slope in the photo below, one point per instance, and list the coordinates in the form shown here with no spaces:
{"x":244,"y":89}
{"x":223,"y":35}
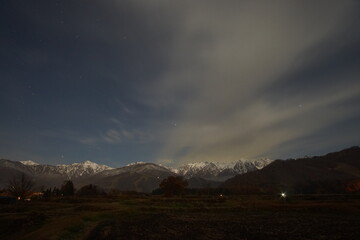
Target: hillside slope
{"x":322,"y":174}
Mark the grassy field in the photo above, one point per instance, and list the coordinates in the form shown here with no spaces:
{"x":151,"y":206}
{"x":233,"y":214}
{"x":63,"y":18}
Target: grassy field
{"x":153,"y":217}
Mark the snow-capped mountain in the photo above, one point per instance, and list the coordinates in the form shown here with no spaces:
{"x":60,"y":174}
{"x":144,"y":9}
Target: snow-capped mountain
{"x":206,"y":170}
{"x":71,"y":171}
{"x":139,"y":176}
{"x":48,"y":175}
{"x":85,"y":168}
{"x":29,"y":163}
{"x":199,"y":169}
{"x":135,"y":163}
{"x":135,"y":168}
{"x":220,"y":171}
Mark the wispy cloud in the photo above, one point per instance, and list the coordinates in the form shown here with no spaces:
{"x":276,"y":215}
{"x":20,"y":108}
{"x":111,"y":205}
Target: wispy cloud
{"x":182,"y":81}
{"x":118,"y":136}
{"x":124,"y":108}
{"x":88,"y":140}
{"x":224,"y":63}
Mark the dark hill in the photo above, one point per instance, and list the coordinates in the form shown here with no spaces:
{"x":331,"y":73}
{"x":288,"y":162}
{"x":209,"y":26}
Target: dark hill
{"x":140,"y":177}
{"x":330,"y":173}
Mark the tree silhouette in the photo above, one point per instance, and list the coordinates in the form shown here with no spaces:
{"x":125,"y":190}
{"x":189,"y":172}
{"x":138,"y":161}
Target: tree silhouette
{"x":67,"y":189}
{"x":90,"y":190}
{"x":20,"y":186}
{"x":173,"y":185}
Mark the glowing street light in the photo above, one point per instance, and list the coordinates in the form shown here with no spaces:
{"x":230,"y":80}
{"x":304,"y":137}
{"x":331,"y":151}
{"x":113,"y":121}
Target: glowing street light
{"x":283,"y":195}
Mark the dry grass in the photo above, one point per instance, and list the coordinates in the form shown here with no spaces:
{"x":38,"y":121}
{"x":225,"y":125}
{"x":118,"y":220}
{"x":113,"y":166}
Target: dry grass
{"x":241,"y":217}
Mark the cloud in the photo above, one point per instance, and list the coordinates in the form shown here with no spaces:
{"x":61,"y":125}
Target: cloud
{"x":112,"y":136}
{"x":224,"y":62}
{"x":118,"y":135}
{"x":123,"y":106}
{"x":88,"y":140}
{"x":182,"y":81}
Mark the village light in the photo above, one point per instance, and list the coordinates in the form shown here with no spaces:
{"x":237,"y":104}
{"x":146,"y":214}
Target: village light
{"x":283,"y":195}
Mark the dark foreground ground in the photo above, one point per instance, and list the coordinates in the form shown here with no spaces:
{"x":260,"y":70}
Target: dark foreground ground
{"x":242,"y":217}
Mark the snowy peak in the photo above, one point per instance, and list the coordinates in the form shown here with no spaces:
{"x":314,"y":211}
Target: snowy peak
{"x":29,"y":163}
{"x":207,"y":170}
{"x":221,"y":171}
{"x":135,"y":163}
{"x":85,"y":168}
{"x":260,"y":163}
{"x":138,"y":168}
{"x":87,"y":162}
{"x":91,"y":165}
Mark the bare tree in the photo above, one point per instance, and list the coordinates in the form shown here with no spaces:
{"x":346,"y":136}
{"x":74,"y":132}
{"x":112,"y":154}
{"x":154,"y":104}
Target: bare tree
{"x":20,"y":186}
{"x":67,"y":189}
{"x":173,"y":185}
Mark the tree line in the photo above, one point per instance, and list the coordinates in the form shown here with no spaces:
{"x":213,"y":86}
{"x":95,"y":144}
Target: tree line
{"x":21,"y":187}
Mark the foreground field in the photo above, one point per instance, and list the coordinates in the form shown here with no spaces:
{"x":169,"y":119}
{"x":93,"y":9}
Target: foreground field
{"x":149,"y":217}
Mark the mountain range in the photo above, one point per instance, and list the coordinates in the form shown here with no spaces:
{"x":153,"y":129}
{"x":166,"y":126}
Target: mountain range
{"x":220,"y":171}
{"x":335,"y":172}
{"x":138,"y":176}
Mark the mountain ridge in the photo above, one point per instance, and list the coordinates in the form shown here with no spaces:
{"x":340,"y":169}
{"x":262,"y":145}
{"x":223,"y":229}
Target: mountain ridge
{"x":327,"y":173}
{"x":220,"y":171}
{"x":138,"y":176}
{"x":330,"y":173}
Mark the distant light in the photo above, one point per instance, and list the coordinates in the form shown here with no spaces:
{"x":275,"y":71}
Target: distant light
{"x":221,"y":195}
{"x":283,"y":195}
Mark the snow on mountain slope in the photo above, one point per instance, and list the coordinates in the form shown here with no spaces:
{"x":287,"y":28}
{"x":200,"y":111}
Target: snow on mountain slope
{"x":260,"y":163}
{"x":139,"y":167}
{"x":71,"y":171}
{"x":206,"y":170}
{"x":141,"y":177}
{"x":210,"y":170}
{"x":85,"y":168}
{"x":29,"y":163}
{"x":135,"y":163}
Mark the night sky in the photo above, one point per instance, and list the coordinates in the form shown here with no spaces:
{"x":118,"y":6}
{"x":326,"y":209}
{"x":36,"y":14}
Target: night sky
{"x":174,"y":82}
